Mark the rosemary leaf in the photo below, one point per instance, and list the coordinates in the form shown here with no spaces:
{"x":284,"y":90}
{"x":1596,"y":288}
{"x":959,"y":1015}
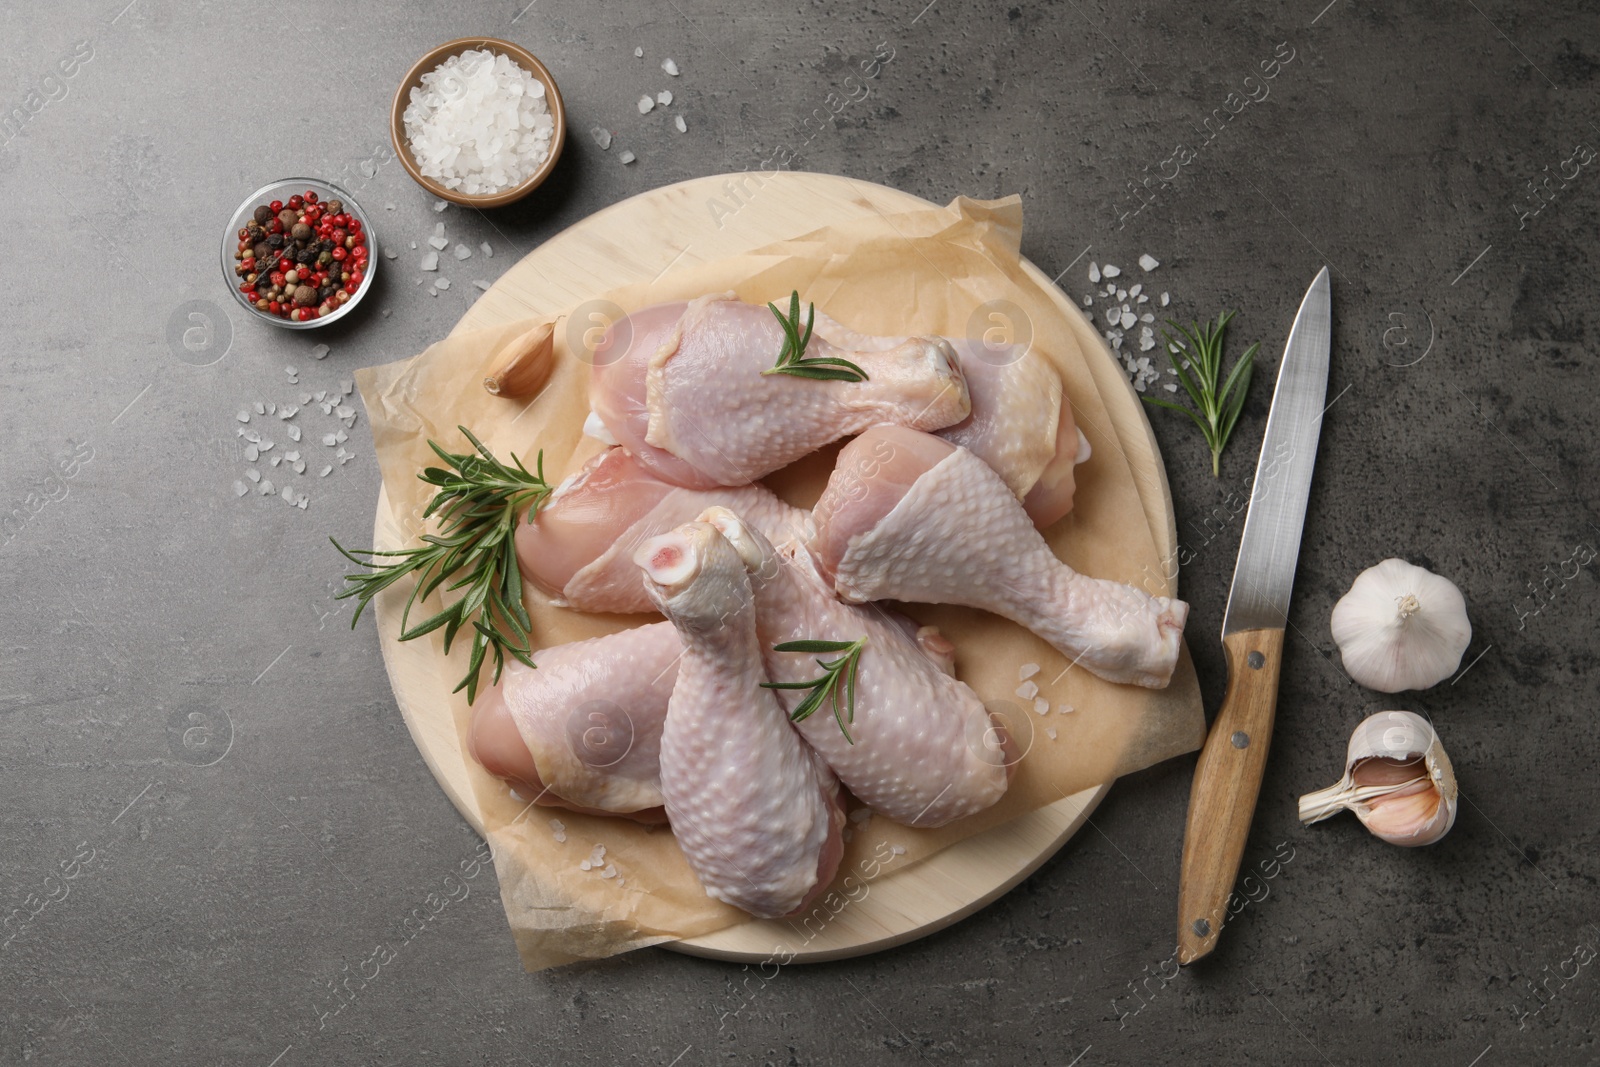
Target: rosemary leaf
{"x":479,"y":503}
{"x":1217,"y":401}
{"x":793,"y":361}
{"x":834,"y":672}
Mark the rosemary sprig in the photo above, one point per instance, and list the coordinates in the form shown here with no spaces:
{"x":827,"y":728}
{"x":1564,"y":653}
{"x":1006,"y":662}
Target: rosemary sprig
{"x":478,"y":502}
{"x":793,"y":359}
{"x":834,"y":672}
{"x":1219,"y":405}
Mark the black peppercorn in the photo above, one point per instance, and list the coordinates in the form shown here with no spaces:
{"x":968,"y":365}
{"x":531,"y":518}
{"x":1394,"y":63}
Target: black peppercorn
{"x":305,"y":255}
{"x":275,"y":240}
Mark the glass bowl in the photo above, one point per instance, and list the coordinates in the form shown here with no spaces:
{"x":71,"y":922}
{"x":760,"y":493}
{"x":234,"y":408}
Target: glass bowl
{"x":282,"y":190}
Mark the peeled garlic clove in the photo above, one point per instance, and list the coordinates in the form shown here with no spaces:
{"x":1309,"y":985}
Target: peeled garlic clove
{"x":1397,"y":780}
{"x":1401,"y":627}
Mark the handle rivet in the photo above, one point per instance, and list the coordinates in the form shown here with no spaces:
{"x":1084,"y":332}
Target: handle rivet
{"x":1201,"y":928}
{"x":1240,"y":739}
{"x":1256,"y":661}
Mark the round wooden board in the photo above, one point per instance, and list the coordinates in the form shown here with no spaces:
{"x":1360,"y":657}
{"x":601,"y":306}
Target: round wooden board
{"x":638,"y":240}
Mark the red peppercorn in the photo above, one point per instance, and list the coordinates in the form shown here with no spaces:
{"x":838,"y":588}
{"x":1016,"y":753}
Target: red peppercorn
{"x":311,"y":196}
{"x":275,"y":227}
{"x":355,"y":225}
{"x":274,"y":307}
{"x":355,"y":279}
{"x":248,"y":263}
{"x":339,"y":253}
{"x":296,"y":202}
{"x":275,"y":207}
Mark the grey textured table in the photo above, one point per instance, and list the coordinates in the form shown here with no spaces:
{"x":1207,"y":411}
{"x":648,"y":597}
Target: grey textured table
{"x":189,"y":729}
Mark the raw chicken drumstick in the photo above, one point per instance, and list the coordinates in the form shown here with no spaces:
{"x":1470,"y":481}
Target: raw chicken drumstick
{"x":680,"y":387}
{"x":583,"y":731}
{"x":755,"y":811}
{"x":907,"y":516}
{"x":579,"y":548}
{"x":1021,"y":425}
{"x":925,"y":750}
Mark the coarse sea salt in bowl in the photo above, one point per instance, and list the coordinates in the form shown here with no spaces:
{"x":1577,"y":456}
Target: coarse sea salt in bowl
{"x":478,"y":121}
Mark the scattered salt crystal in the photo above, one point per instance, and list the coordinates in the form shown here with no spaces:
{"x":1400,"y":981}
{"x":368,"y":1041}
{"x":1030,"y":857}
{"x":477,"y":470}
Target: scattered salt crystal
{"x":1146,"y":343}
{"x":610,"y":871}
{"x":1088,"y":301}
{"x":433,"y":290}
{"x":557,"y":825}
{"x":251,"y":454}
{"x":288,"y":411}
{"x":390,"y":253}
{"x":664,"y":97}
{"x":265,"y":488}
{"x":240,"y":489}
{"x":340,"y":436}
{"x":440,"y":205}
{"x":486,"y":250}
{"x":325,"y":471}
{"x":385,"y":312}
{"x":1110,"y":271}
{"x":1050,"y":732}
{"x":1094,"y":273}
{"x":265,"y":446}
{"x":1113,"y":315}
{"x":897,"y":850}
{"x":683,"y":127}
{"x":244,"y":416}
{"x":1165,"y":300}
{"x":260,"y":408}
{"x":638,"y":53}
{"x":560,"y":836}
{"x":388,"y":207}
{"x":670,"y":66}
{"x":290,"y":457}
{"x":1111,"y":290}
{"x":302,"y":502}
{"x":1128,"y":319}
{"x":627,"y":157}
{"x":1028,"y":690}
{"x":860,"y":815}
{"x":442,"y":283}
{"x":413,"y":245}
{"x":1147,"y":317}
{"x":1135,"y":290}
{"x":1149,"y":262}
{"x":329,"y":440}
{"x":305,"y":398}
{"x":463,"y":252}
{"x":1122,"y":294}
{"x":1170,"y":387}
{"x":288,"y":496}
{"x":347,"y":386}
{"x":1026,"y":671}
{"x":439,"y":243}
{"x":253,"y":474}
{"x":1065,"y":709}
{"x":645,"y":104}
{"x":1144,"y":298}
{"x":275,"y":460}
{"x":320,"y":352}
{"x":1041,"y":706}
{"x":430,"y":261}
{"x":585,"y":865}
{"x":344,"y":411}
{"x":482,"y":285}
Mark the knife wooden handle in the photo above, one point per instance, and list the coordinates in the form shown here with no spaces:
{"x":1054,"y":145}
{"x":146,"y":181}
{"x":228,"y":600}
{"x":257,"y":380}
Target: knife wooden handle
{"x":1227,"y":780}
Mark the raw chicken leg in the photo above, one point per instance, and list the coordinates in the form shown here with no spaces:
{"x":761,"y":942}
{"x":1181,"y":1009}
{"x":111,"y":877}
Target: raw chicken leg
{"x":1021,"y":425}
{"x":755,"y":811}
{"x":579,"y":548}
{"x":907,"y":516}
{"x":926,"y":751}
{"x":685,"y":393}
{"x":583,"y":731}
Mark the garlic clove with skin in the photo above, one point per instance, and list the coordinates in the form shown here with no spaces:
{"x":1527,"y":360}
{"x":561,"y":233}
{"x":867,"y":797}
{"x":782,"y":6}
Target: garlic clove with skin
{"x":1401,"y":627}
{"x":1397,"y":780}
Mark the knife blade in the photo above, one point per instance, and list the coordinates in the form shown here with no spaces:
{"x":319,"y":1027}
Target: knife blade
{"x":1228,"y":774}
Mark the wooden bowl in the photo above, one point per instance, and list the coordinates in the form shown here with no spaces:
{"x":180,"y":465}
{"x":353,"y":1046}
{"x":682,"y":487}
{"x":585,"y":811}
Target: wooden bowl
{"x":524,"y":59}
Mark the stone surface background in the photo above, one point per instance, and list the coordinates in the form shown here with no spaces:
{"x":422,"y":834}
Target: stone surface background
{"x":188,"y":725}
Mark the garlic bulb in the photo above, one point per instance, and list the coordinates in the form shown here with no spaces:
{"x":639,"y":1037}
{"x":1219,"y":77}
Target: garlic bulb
{"x":1401,"y":627}
{"x":1397,"y":780}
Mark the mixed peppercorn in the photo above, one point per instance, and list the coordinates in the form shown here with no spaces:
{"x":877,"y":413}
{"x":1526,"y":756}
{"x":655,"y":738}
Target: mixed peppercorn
{"x":300,"y":259}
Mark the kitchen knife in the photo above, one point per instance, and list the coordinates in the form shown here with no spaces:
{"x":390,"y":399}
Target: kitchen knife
{"x":1227,"y":778}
